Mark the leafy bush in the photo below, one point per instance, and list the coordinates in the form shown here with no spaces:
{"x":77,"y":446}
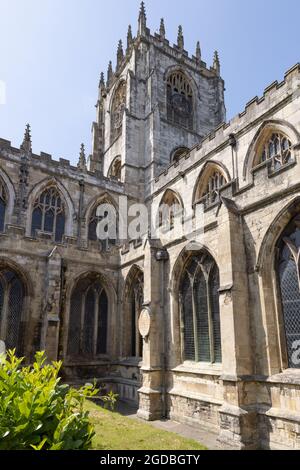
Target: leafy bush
{"x":38,"y":412}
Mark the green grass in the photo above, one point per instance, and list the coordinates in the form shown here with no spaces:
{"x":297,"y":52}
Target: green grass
{"x":117,"y":432}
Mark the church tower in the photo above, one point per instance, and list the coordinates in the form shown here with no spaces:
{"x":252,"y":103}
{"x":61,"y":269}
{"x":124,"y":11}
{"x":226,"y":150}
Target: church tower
{"x":153,"y":107}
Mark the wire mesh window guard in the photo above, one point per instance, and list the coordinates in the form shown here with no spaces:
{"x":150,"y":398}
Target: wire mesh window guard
{"x":11,"y":307}
{"x":2,"y":206}
{"x":117,"y":111}
{"x":288,"y":279}
{"x":48,"y":214}
{"x":179,"y":100}
{"x":88,"y":323}
{"x":278,"y":150}
{"x":200,"y":313}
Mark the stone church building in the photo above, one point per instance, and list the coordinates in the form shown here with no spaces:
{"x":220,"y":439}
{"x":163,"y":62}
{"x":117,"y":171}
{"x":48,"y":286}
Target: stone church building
{"x":204,"y":330}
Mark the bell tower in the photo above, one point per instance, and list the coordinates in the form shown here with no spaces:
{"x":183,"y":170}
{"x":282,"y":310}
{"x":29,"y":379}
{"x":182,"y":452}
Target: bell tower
{"x":157,"y":104}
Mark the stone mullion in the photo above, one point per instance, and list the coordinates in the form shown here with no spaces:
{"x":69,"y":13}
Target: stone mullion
{"x":83,"y":299}
{"x":196,"y":343}
{"x":210,"y":319}
{"x":5,"y":310}
{"x":96,"y":318}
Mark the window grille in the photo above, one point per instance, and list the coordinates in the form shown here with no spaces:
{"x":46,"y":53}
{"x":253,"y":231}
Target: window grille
{"x":278,"y":150}
{"x":88,"y":323}
{"x":179,"y":100}
{"x":199,"y":304}
{"x":288,"y":278}
{"x":48,"y":214}
{"x":11,"y":307}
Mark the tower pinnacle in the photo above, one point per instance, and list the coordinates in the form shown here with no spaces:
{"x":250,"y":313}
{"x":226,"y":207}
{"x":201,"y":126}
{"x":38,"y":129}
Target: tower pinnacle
{"x":198,"y":52}
{"x":120,"y":54}
{"x":162,"y":29}
{"x":142,"y":19}
{"x":216,"y":63}
{"x":26,"y":145}
{"x":109,"y":73}
{"x":129,"y":39}
{"x":82,"y":159}
{"x":180,"y":38}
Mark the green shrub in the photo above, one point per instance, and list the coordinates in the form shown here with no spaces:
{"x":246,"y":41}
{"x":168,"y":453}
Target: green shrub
{"x":38,"y":412}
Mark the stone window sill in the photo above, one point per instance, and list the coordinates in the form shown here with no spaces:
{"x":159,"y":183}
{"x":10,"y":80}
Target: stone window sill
{"x":289,"y":376}
{"x":199,"y":368}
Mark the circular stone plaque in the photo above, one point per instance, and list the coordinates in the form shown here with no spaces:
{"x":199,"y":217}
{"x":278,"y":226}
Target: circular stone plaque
{"x":145,"y":322}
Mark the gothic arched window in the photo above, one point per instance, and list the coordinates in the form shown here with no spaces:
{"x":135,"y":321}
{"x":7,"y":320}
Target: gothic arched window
{"x":179,"y":100}
{"x":277,"y":149}
{"x":200,"y":311}
{"x":115,"y":169}
{"x":11,"y":307}
{"x":210,"y":184}
{"x":88,"y":322}
{"x":2,"y":206}
{"x":93,"y":223}
{"x":169,"y":208}
{"x":136,"y":298}
{"x":48,"y":214}
{"x":288,"y":255}
{"x":117,"y":111}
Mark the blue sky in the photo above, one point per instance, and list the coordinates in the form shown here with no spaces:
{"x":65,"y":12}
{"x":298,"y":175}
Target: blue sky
{"x":52,"y":53}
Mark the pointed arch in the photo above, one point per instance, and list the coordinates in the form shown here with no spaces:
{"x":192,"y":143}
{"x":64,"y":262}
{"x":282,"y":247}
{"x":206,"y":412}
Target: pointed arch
{"x":90,"y":311}
{"x":70,"y":212}
{"x":272,"y":234}
{"x":195,"y":305}
{"x":278,"y":280}
{"x":266,"y":129}
{"x":90,"y":216}
{"x":16,"y":291}
{"x":170,"y":207}
{"x":180,"y":98}
{"x":10,"y":194}
{"x":115,"y":168}
{"x":117,"y":108}
{"x":213,"y":176}
{"x":133,"y":298}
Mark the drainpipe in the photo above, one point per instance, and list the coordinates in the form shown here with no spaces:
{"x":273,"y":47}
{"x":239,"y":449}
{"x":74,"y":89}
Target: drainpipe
{"x":162,"y":256}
